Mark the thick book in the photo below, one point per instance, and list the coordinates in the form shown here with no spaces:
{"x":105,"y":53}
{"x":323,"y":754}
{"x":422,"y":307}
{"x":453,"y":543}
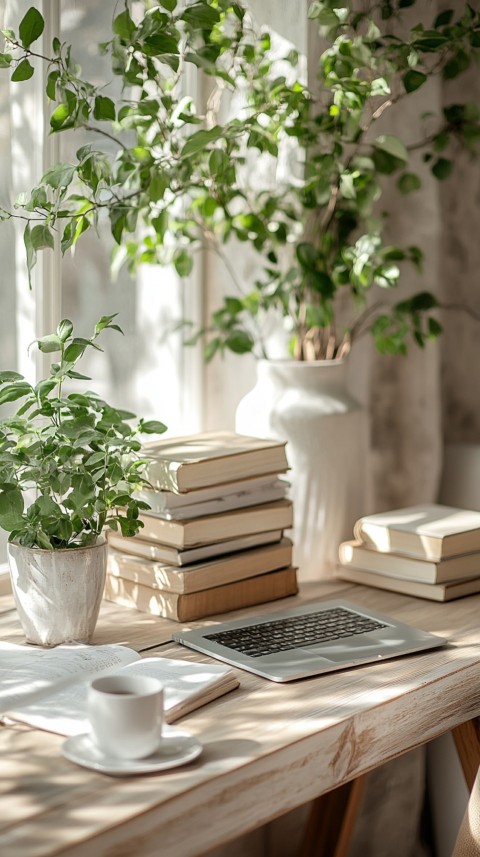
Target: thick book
{"x":216,"y":528}
{"x":424,"y":531}
{"x":201,"y":575}
{"x":356,"y":555}
{"x":47,"y":688}
{"x":160,"y":502}
{"x":209,"y":602}
{"x":159,"y":552}
{"x":197,"y":461}
{"x":430,"y":591}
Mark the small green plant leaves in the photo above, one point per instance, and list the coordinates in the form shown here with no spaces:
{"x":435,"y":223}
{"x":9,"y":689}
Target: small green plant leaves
{"x":392,"y":146}
{"x":23,"y":71}
{"x":41,"y":237}
{"x":409,"y":182}
{"x":200,"y":140}
{"x":31,"y":27}
{"x":123,"y":25}
{"x":50,"y":344}
{"x":12,"y":392}
{"x":442,"y":168}
{"x":104,"y":108}
{"x":413,"y":80}
{"x":59,"y":175}
{"x":152,"y":426}
{"x":11,"y":506}
{"x":183,"y":263}
{"x":64,"y":329}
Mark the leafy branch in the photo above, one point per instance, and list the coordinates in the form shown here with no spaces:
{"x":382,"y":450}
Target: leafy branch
{"x":180,"y":180}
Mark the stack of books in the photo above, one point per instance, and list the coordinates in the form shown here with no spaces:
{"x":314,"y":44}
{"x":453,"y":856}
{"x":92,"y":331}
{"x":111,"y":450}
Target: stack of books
{"x":428,"y":551}
{"x":214,"y":537}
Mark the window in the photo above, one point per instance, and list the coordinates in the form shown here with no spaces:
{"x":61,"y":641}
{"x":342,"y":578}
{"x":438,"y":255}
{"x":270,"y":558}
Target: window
{"x":144,"y":371}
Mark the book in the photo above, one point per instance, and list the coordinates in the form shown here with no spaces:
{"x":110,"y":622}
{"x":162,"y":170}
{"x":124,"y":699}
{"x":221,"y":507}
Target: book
{"x":212,"y":458}
{"x":424,"y":531}
{"x":430,"y":591}
{"x":357,"y":555}
{"x":201,"y":575}
{"x":273,"y":490}
{"x":47,"y":688}
{"x":216,"y":528}
{"x":137,"y":546}
{"x":208,"y":602}
{"x":170,"y":500}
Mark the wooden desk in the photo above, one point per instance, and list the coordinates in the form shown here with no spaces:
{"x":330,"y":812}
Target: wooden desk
{"x":267,"y":747}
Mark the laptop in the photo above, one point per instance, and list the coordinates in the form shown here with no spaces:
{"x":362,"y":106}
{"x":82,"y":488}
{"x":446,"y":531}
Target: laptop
{"x":309,"y":640}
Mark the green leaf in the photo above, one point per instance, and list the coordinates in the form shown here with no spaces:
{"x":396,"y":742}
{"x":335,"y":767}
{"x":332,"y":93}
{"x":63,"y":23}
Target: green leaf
{"x":30,"y":252}
{"x":63,"y":112}
{"x":391,"y":146}
{"x":218,"y":162}
{"x":413,"y":80}
{"x":152,"y":426}
{"x":306,"y":255}
{"x":74,"y":351}
{"x":30,"y":27}
{"x":201,"y":16}
{"x":442,"y":168}
{"x":43,"y":388}
{"x":106,"y":321}
{"x":11,"y":507}
{"x":183,"y":263}
{"x":456,"y":66}
{"x":51,"y":87}
{"x":408,"y":182}
{"x":12,"y":392}
{"x":104,"y":108}
{"x":200,"y":140}
{"x":60,"y":175}
{"x":443,"y":19}
{"x":434,"y":328}
{"x":49,"y":344}
{"x":41,"y":237}
{"x":239,"y":341}
{"x":7,"y":375}
{"x":64,"y":329}
{"x":23,"y":71}
{"x":123,"y":26}
{"x":5,"y":60}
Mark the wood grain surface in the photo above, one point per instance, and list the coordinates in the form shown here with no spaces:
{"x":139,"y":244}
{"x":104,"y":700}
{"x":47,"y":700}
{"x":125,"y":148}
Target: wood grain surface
{"x":267,"y":747}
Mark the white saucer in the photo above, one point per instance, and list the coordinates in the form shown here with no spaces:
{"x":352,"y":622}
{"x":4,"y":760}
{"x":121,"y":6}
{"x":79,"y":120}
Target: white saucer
{"x":176,"y":748}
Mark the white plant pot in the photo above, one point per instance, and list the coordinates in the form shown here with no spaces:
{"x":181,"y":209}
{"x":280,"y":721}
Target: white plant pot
{"x":58,"y":592}
{"x":326,"y":429}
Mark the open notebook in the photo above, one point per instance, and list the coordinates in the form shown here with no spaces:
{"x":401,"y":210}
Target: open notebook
{"x":308,"y":640}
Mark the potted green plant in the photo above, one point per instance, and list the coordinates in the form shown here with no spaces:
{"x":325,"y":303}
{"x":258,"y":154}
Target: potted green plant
{"x":69,"y":466}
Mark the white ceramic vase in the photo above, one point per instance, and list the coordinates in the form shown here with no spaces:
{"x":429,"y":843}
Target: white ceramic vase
{"x":308,"y":405}
{"x":58,"y":592}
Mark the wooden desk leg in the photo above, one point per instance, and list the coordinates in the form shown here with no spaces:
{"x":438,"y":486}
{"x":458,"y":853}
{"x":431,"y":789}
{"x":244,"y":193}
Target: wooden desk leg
{"x":467,"y":742}
{"x":330,"y":824}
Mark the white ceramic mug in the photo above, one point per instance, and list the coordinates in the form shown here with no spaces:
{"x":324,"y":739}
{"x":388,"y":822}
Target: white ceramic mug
{"x":126,"y":715}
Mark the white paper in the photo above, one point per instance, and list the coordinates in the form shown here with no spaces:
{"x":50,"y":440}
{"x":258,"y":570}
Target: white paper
{"x":64,"y":711}
{"x":26,"y":671}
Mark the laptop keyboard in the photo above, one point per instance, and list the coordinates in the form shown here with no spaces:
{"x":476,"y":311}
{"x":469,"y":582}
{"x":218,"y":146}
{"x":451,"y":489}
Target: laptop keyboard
{"x":268,"y":638}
